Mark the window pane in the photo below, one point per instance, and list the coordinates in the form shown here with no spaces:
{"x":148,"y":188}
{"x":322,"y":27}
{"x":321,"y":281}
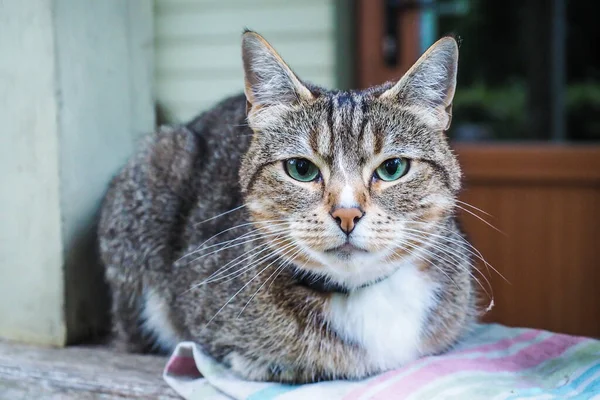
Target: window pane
{"x":512,"y":75}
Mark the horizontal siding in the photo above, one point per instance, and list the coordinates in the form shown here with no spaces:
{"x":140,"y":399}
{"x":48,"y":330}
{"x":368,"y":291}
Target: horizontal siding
{"x":299,"y":18}
{"x":197,"y":46}
{"x":301,"y":55}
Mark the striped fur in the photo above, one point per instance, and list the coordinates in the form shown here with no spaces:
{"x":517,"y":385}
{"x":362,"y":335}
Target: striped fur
{"x":232,"y":283}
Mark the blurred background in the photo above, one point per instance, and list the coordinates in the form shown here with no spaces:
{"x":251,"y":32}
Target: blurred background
{"x":530,"y":70}
{"x":83,"y":81}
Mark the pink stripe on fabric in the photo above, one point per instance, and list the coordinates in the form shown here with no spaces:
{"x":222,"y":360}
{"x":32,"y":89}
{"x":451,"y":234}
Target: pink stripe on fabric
{"x":499,"y":345}
{"x":375,"y":382}
{"x":527,"y":358}
{"x":183,"y":366}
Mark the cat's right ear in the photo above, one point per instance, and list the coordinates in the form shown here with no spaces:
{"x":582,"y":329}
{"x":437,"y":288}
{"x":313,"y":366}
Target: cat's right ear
{"x":268,"y":79}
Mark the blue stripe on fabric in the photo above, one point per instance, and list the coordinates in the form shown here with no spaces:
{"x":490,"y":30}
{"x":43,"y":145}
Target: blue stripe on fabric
{"x":272,"y":392}
{"x":524,"y":393}
{"x":591,"y":390}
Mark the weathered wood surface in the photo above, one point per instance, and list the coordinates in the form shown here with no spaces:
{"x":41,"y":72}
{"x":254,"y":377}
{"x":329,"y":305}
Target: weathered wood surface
{"x":82,"y":373}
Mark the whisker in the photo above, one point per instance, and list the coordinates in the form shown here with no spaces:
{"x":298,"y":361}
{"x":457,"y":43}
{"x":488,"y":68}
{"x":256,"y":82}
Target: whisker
{"x":475,"y":208}
{"x":481,"y":219}
{"x":475,"y":252}
{"x":414,"y":253}
{"x":220,"y":215}
{"x":242,"y":270}
{"x":246,"y":235}
{"x":456,"y":234}
{"x":289,"y":262}
{"x":458,"y":263}
{"x":485,"y":262}
{"x":248,"y":255}
{"x":199,"y":247}
{"x":235,"y":294}
{"x":456,"y":260}
{"x":277,"y":270}
{"x":246,"y":241}
{"x":426,"y":235}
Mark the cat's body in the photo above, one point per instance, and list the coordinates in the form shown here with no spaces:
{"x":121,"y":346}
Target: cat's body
{"x":381,"y":296}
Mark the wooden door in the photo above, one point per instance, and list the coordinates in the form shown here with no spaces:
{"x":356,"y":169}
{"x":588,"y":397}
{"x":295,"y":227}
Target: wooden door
{"x":372,"y":68}
{"x":546,"y":201}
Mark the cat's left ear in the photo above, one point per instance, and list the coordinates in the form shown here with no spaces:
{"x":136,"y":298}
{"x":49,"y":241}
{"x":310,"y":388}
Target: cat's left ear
{"x":268,"y":79}
{"x":429,"y":84}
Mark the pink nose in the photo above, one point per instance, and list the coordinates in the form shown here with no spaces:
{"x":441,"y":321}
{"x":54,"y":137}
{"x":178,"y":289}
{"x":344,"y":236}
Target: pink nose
{"x":347,"y":218}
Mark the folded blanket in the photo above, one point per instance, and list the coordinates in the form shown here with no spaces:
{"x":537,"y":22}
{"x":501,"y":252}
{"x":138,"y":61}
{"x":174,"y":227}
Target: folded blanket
{"x":494,"y":362}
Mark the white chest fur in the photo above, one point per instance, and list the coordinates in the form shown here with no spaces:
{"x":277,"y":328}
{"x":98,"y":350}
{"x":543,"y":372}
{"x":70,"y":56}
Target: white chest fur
{"x":156,"y":322}
{"x":386,"y":319}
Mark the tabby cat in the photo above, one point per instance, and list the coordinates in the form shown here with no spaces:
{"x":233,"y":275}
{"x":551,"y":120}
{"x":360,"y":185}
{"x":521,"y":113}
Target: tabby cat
{"x":296,"y":233}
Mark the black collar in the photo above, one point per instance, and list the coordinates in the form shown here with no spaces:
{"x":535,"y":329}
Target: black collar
{"x":323,"y":285}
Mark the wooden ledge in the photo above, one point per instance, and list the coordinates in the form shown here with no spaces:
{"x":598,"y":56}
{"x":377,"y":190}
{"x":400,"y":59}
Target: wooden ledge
{"x":530,"y":163}
{"x":28,"y":372}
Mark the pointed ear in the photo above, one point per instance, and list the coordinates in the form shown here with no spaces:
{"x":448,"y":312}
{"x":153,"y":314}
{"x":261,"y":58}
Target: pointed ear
{"x":268,"y":79}
{"x":429,"y":84}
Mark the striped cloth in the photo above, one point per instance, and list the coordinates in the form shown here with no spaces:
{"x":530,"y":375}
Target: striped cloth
{"x":494,"y":362}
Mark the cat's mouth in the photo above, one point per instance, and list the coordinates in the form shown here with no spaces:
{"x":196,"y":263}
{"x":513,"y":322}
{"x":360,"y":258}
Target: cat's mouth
{"x":346,"y":250}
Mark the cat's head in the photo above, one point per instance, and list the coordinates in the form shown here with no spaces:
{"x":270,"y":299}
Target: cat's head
{"x":349,"y":184}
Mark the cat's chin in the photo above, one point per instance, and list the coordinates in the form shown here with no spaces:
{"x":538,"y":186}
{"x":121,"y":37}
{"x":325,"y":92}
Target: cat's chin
{"x":353,"y":267}
{"x":346,"y":251}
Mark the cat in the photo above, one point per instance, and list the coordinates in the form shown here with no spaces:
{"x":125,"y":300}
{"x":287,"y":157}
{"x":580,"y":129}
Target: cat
{"x":297,"y":234}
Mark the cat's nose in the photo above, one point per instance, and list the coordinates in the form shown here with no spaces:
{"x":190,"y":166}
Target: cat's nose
{"x":347,"y":218}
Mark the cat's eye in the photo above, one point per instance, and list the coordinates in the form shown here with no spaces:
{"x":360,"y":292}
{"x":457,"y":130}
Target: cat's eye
{"x":392,"y":169}
{"x":301,"y":169}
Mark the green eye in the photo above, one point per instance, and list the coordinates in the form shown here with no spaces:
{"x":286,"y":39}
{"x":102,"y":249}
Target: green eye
{"x":301,"y":169}
{"x":392,"y":169}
